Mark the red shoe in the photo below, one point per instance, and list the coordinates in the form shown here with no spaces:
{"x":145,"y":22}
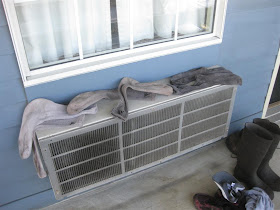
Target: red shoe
{"x":206,"y":202}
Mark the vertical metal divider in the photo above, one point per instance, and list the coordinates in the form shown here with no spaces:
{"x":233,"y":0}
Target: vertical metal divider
{"x":131,"y":20}
{"x":180,"y":126}
{"x":78,"y":27}
{"x":176,"y":21}
{"x":121,"y":146}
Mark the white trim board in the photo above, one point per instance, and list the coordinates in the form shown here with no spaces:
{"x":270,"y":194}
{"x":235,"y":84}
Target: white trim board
{"x":271,"y":85}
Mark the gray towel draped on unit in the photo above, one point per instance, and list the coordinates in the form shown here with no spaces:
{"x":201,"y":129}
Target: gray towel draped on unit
{"x":84,"y":100}
{"x":200,"y":78}
{"x":128,"y":88}
{"x":121,"y":110}
{"x":41,"y":114}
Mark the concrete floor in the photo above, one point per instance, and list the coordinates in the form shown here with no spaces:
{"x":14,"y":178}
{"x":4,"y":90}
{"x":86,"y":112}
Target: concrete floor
{"x":168,"y":186}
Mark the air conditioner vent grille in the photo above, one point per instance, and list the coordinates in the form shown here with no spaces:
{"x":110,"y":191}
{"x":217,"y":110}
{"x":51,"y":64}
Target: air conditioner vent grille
{"x":202,"y":137}
{"x":150,"y":132}
{"x":84,"y":139}
{"x":204,"y":125}
{"x":151,"y":157}
{"x":205,"y":113}
{"x":151,"y":118}
{"x":88,"y":166}
{"x":104,"y":151}
{"x":86,"y":153}
{"x":208,"y":100}
{"x":150,"y":145}
{"x":91,"y":179}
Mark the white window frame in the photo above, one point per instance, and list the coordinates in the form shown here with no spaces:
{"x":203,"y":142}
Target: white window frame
{"x":60,"y":71}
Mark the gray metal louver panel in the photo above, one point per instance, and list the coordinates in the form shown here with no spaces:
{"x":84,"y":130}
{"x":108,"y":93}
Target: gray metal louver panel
{"x":108,"y":149}
{"x":84,"y":139}
{"x":208,"y":100}
{"x":150,"y":132}
{"x":151,"y":118}
{"x":89,"y":166}
{"x":150,"y":145}
{"x":202,"y":137}
{"x":151,"y":157}
{"x":204,"y":125}
{"x":205,"y":113}
{"x":91,"y":179}
{"x":86,"y":153}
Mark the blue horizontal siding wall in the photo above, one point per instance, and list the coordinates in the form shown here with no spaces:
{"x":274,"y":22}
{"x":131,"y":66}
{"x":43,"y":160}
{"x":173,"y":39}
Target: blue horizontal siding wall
{"x":3,"y":21}
{"x":9,"y":67}
{"x":6,"y":46}
{"x":249,"y":48}
{"x":145,"y":71}
{"x":18,"y":178}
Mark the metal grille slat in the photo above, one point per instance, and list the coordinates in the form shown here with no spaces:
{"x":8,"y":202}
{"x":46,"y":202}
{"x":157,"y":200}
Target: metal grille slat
{"x":206,"y":113}
{"x":90,"y":179}
{"x":84,"y":139}
{"x":88,"y":166}
{"x":151,"y":157}
{"x":86,"y":153}
{"x":208,"y":100}
{"x":151,"y":118}
{"x":150,"y":145}
{"x":202,"y":138}
{"x":204,"y":125}
{"x":150,"y":132}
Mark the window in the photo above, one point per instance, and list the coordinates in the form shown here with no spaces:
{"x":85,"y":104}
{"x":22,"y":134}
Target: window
{"x":59,"y":38}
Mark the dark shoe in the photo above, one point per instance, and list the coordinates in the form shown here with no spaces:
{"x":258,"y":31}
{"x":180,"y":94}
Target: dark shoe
{"x":265,"y":172}
{"x":240,"y":205}
{"x":206,"y":202}
{"x":252,"y":148}
{"x":232,"y":141}
{"x":230,"y":187}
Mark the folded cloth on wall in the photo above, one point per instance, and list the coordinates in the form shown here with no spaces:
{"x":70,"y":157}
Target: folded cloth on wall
{"x":121,"y":110}
{"x":257,"y":199}
{"x":41,"y":114}
{"x":84,"y":100}
{"x":200,"y":78}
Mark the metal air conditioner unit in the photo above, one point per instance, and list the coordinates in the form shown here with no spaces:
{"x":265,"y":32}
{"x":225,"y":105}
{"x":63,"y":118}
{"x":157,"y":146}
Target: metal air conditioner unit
{"x":106,"y":149}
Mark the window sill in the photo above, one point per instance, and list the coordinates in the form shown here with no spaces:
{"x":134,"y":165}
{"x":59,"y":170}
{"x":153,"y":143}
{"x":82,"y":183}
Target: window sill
{"x":121,"y":58}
